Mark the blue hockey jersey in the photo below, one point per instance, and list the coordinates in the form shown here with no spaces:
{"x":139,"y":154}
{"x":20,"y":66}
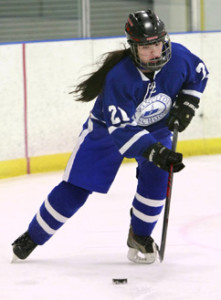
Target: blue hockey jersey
{"x":130,"y":115}
{"x":135,"y":108}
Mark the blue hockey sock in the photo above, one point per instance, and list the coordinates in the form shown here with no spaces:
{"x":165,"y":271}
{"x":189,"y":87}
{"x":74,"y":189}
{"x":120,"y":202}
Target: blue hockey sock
{"x":150,"y":197}
{"x":63,"y":201}
{"x":145,"y":214}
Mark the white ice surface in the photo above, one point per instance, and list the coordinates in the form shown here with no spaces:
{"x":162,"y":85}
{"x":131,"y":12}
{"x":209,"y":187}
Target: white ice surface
{"x":80,"y":261}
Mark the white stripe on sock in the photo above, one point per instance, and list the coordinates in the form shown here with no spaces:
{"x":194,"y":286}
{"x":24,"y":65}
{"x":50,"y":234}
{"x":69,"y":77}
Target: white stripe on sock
{"x":54,"y":213}
{"x":149,"y":202}
{"x":145,"y":218}
{"x":44,"y":225}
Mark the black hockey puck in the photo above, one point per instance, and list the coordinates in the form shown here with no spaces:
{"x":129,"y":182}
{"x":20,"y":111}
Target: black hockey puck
{"x":119,"y":280}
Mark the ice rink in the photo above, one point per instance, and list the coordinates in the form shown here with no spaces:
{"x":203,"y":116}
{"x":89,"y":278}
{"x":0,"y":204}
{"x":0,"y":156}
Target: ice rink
{"x":80,"y":261}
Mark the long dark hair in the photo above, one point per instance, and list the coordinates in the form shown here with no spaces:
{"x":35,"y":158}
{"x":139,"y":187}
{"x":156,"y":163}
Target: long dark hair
{"x":93,"y":85}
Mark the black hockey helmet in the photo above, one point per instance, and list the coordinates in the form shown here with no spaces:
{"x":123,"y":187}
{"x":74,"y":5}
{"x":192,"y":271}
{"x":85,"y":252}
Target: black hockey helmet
{"x":145,"y":28}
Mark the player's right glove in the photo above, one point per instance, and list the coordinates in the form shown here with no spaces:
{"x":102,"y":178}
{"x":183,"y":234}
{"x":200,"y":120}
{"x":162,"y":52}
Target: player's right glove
{"x":163,"y":157}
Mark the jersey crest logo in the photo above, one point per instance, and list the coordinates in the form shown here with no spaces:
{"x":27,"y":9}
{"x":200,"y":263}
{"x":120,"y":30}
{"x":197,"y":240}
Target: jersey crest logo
{"x":153,"y":109}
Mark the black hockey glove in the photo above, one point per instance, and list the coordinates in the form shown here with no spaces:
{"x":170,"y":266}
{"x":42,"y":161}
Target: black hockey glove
{"x":183,"y":111}
{"x":163,"y":157}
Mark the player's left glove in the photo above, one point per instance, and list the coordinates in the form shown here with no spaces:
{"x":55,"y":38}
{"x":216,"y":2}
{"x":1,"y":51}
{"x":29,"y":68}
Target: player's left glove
{"x":183,"y":111}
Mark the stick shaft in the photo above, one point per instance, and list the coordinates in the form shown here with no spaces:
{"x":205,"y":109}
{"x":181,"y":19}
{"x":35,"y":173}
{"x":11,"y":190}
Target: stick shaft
{"x":168,"y":198}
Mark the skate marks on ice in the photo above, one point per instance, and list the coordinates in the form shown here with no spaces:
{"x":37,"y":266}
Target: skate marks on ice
{"x":90,"y":250}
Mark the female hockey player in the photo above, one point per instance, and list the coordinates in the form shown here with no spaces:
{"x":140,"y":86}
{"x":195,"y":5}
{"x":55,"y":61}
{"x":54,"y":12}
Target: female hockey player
{"x":140,"y":92}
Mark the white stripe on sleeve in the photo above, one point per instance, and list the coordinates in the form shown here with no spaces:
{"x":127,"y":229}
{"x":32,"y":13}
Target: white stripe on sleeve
{"x":111,"y":129}
{"x":133,"y":140}
{"x":192,"y":93}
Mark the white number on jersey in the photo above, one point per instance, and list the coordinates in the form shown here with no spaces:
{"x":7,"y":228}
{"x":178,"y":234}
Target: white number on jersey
{"x":201,"y":68}
{"x":115,"y":120}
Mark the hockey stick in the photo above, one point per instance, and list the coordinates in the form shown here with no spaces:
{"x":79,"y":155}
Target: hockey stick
{"x":168,"y":197}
